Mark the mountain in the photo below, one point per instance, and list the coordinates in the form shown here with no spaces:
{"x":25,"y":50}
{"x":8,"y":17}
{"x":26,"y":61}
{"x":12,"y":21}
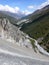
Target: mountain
{"x":35,"y":15}
{"x":15,"y":45}
{"x":13,"y":17}
{"x":37,"y":26}
{"x":6,"y":15}
{"x":11,"y":33}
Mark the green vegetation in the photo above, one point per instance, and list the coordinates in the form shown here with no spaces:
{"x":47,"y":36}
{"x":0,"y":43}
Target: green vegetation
{"x":33,"y":45}
{"x":45,"y":42}
{"x":38,"y":27}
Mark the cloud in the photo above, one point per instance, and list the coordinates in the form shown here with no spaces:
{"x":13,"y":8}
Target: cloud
{"x":48,"y":0}
{"x":26,"y":12}
{"x":8,"y":8}
{"x":30,"y":7}
{"x":43,"y":4}
{"x":14,"y":10}
{"x":35,"y":7}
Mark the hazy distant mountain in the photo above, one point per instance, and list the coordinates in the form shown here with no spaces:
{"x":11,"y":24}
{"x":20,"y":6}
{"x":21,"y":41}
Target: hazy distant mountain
{"x":6,"y":15}
{"x":15,"y":15}
{"x":37,"y":26}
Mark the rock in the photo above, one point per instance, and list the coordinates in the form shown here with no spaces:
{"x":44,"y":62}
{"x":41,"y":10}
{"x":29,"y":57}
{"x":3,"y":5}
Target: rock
{"x":12,"y":33}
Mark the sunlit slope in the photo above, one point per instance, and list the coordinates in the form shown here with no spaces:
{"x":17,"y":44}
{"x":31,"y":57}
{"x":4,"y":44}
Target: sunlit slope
{"x":39,"y":25}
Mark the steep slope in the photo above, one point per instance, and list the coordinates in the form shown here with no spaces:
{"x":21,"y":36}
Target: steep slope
{"x":10,"y":17}
{"x":45,"y":42}
{"x":12,"y":33}
{"x":38,"y":25}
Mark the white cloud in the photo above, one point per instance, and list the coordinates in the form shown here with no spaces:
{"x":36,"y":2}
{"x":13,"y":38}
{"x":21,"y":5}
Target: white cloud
{"x":48,"y":0}
{"x":30,"y":7}
{"x":13,"y":10}
{"x":26,"y":12}
{"x":10,"y":9}
{"x":43,"y":4}
{"x":35,"y":7}
{"x":17,"y":9}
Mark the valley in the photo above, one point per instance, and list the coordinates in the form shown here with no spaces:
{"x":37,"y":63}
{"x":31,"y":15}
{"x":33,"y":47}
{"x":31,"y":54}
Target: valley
{"x":38,"y":26}
{"x":24,"y":41}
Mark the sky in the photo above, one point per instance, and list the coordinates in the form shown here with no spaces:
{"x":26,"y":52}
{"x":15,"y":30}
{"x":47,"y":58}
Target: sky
{"x":22,"y":6}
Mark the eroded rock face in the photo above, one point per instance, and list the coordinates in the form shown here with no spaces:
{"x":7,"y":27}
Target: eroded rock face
{"x":12,"y":33}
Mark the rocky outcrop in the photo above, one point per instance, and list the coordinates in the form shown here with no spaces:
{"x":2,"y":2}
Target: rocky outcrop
{"x":12,"y":33}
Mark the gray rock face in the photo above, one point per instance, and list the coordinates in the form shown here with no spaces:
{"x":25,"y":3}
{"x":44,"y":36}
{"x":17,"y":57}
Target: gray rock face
{"x":12,"y":33}
{"x":15,"y":60}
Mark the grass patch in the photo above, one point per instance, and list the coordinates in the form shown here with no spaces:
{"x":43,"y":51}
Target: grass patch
{"x":33,"y":45}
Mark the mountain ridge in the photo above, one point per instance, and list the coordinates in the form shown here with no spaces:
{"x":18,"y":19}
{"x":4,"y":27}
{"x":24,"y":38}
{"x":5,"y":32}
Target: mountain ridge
{"x":38,"y":26}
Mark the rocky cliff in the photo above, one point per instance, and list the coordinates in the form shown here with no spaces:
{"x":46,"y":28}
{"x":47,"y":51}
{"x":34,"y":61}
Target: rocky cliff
{"x":12,"y":33}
